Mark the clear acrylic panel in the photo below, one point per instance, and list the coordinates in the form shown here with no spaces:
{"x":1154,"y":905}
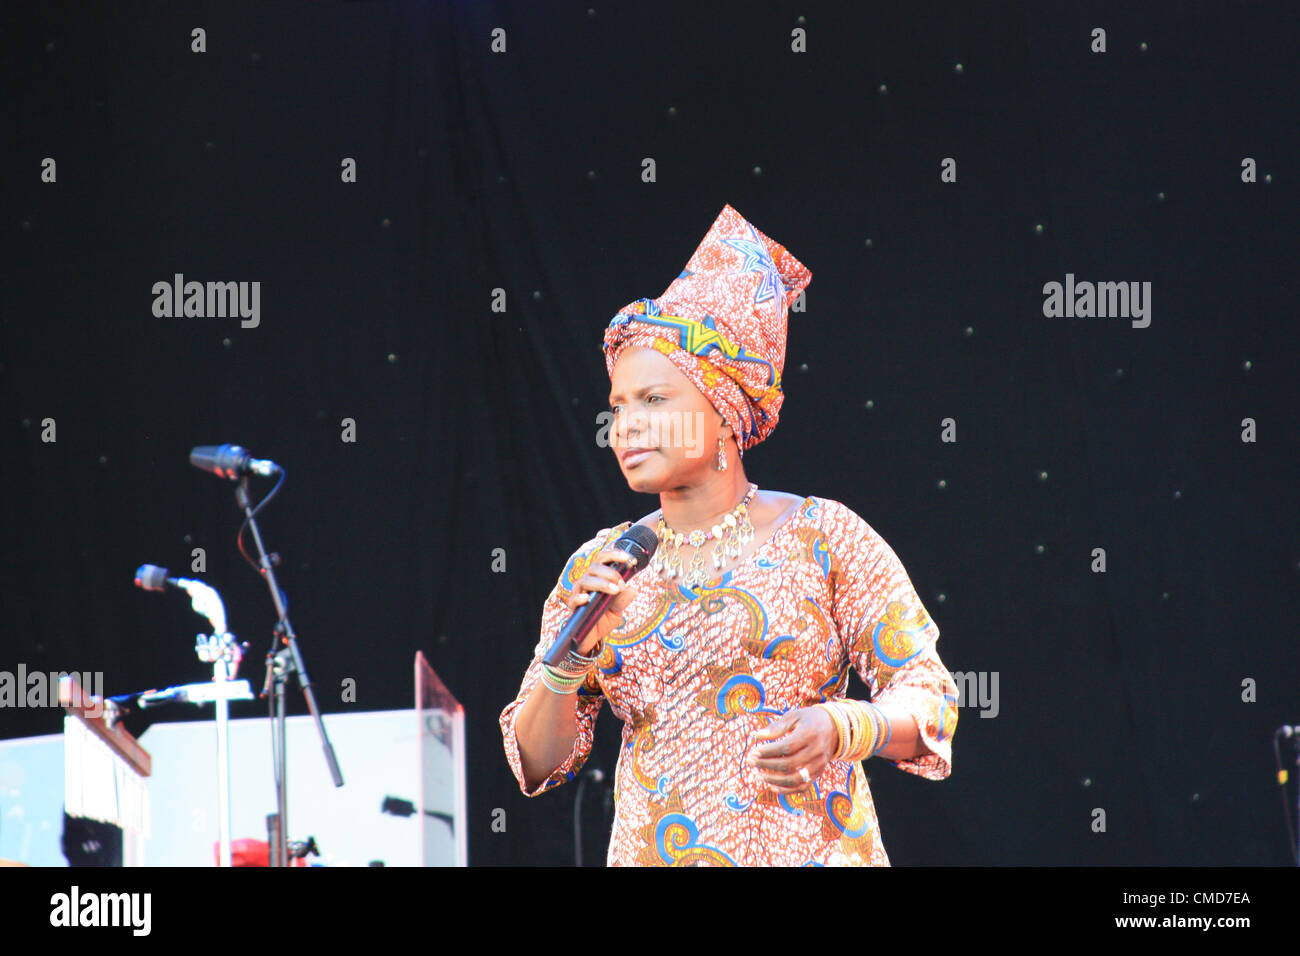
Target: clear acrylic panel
{"x":442,"y":769}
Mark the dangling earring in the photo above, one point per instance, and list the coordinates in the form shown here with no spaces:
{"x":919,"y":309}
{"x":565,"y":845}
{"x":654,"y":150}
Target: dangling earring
{"x":722,"y":455}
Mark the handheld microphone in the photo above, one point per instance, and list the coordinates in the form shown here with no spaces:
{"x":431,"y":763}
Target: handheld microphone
{"x":638,"y":541}
{"x":231,"y":461}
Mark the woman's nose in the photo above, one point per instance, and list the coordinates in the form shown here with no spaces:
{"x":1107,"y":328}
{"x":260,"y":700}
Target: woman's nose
{"x":630,"y":426}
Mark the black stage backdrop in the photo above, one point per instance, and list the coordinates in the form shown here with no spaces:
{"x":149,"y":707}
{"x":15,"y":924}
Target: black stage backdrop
{"x":475,"y":429}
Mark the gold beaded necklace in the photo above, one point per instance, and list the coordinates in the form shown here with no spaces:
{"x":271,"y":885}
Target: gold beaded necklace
{"x":732,"y":533}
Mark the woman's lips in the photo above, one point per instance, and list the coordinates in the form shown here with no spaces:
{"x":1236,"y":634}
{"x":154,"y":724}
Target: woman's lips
{"x":634,"y":456}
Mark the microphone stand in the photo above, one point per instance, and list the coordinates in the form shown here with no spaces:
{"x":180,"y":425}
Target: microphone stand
{"x":281,"y":665}
{"x":221,"y":651}
{"x":224,"y":654}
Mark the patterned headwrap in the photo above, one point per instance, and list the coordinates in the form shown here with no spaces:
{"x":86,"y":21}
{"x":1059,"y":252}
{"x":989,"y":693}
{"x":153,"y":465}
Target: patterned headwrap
{"x":723,"y":322}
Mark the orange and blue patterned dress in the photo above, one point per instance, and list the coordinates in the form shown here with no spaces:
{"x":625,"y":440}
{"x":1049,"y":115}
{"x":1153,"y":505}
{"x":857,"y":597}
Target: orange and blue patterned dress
{"x":692,"y":673}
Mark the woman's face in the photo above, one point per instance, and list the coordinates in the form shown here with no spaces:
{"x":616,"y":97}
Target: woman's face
{"x":659,"y":409}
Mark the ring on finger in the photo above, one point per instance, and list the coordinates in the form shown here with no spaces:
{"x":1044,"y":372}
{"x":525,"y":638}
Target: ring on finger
{"x":803,"y":775}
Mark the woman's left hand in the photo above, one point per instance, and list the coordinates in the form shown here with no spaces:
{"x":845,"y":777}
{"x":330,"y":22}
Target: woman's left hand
{"x":806,"y":738}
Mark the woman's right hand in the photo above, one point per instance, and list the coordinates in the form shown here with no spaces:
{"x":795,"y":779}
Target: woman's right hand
{"x":601,"y":577}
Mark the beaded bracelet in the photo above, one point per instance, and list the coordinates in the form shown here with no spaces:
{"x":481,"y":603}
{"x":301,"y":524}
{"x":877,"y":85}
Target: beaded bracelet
{"x":559,"y":683}
{"x":575,"y":664}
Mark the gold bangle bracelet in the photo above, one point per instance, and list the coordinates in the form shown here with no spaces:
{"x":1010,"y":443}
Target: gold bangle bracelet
{"x":876,"y":719}
{"x":858,"y":729}
{"x":884,"y":730}
{"x":855,"y":732}
{"x":841,"y":728}
{"x":851,"y":719}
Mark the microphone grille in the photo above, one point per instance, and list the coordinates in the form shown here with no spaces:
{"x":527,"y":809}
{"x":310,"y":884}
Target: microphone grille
{"x":640,"y":542}
{"x":151,"y":577}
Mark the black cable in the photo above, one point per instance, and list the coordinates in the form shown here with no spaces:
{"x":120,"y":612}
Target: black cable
{"x":239,"y":538}
{"x":243,"y":551}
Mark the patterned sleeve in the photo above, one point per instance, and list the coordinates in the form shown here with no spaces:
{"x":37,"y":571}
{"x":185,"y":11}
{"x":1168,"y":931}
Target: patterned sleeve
{"x":891,"y":641}
{"x":589,"y":698}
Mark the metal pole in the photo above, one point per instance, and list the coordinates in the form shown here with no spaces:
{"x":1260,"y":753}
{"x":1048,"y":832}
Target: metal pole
{"x":220,"y":676}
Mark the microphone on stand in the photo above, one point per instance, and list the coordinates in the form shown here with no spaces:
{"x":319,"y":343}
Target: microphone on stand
{"x":232,"y":462}
{"x":638,"y":541}
{"x":204,"y":598}
{"x":150,"y":577}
